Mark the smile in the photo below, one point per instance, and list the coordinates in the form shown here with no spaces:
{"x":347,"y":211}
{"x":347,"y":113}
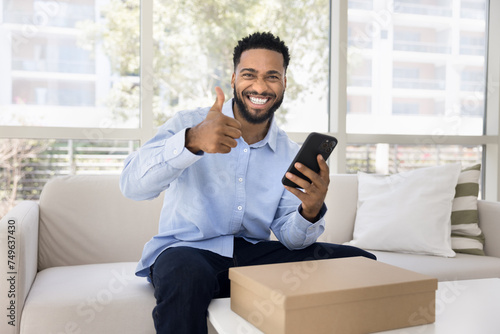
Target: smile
{"x":257,"y":100}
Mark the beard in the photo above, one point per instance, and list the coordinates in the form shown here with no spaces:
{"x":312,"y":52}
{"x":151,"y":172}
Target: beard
{"x":256,"y":119}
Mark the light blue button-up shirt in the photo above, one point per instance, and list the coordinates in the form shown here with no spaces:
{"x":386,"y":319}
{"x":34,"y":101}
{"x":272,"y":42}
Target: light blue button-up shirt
{"x":212,"y":198}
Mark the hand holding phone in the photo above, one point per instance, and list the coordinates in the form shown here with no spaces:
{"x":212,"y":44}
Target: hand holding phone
{"x":315,"y":143}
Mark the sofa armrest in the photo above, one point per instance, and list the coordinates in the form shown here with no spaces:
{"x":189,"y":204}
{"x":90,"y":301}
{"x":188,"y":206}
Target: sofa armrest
{"x":18,"y":261}
{"x":490,"y":225}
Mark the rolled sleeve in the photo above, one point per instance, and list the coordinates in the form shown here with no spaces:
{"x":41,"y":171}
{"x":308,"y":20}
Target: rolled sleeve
{"x":176,"y":154}
{"x":304,"y":233}
{"x":296,"y":232}
{"x":151,"y":169}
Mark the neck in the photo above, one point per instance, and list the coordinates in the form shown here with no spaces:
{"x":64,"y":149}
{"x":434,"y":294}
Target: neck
{"x":252,"y":133}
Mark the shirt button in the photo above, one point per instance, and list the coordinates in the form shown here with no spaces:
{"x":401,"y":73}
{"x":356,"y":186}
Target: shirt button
{"x":245,"y":150}
{"x":175,"y":151}
{"x":240,"y":208}
{"x":240,"y":179}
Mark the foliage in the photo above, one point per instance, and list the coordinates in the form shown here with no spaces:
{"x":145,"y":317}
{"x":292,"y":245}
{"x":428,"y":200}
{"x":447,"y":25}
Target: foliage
{"x":193,"y":45}
{"x":15,"y":154}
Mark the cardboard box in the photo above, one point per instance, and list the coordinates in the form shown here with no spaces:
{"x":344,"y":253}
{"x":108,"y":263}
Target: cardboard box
{"x":347,"y":296}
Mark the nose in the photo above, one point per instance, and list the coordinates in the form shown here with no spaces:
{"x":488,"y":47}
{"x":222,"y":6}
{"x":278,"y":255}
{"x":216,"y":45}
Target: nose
{"x":260,"y":85}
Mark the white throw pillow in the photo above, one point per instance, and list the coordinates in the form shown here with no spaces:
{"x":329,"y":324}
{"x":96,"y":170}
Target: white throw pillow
{"x":409,"y":212}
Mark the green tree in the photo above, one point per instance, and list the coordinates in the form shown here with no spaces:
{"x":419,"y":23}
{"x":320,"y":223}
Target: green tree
{"x":193,"y":45}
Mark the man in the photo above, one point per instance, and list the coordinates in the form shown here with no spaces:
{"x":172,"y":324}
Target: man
{"x":221,"y":170}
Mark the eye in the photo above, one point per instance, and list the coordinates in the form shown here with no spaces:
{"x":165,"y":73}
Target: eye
{"x":247,"y":75}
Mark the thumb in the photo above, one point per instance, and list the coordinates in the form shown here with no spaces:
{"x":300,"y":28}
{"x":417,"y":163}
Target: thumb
{"x":219,"y":101}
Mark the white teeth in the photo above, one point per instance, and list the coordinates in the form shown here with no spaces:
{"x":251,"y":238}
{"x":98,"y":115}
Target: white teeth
{"x":257,"y":100}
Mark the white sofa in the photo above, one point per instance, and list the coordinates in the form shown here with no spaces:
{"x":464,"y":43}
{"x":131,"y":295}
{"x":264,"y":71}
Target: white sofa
{"x":73,"y":254}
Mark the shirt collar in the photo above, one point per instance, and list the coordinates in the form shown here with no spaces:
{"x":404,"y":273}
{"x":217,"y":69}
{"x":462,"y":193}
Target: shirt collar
{"x":272,"y":133}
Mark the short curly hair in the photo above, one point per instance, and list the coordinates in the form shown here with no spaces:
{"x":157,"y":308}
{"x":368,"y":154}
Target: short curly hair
{"x":261,"y":40}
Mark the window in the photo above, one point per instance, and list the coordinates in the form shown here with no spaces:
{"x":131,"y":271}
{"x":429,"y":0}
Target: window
{"x":429,"y":93}
{"x":427,"y":88}
{"x":61,"y":72}
{"x":58,"y":81}
{"x":401,"y":158}
{"x":417,"y":65}
{"x":194,"y":57}
{"x":27,"y":164}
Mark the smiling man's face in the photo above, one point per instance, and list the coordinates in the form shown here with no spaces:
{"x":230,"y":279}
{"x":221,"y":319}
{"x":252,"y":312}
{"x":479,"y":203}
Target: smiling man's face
{"x":259,"y":84}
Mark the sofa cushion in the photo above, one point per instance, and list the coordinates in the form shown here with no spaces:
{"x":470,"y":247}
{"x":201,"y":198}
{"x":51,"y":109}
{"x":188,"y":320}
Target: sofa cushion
{"x":460,"y":267}
{"x":99,"y":298}
{"x":85,"y":219}
{"x":409,"y":212}
{"x":466,"y":236}
{"x":341,"y":200}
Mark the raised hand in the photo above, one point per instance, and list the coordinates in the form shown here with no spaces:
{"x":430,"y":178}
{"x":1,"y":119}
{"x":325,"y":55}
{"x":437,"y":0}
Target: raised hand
{"x":217,"y":133}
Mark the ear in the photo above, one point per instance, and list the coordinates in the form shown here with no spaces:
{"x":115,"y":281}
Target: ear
{"x":285,"y":82}
{"x":233,"y":79}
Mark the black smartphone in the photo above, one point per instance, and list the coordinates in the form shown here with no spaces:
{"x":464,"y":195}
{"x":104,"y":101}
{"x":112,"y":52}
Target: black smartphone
{"x":316,"y":143}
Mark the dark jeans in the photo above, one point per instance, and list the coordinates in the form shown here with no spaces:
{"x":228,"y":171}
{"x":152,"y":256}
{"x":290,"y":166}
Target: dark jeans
{"x":186,"y":279}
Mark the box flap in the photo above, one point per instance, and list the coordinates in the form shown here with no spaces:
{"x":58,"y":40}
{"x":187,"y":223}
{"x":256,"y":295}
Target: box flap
{"x":321,"y":282}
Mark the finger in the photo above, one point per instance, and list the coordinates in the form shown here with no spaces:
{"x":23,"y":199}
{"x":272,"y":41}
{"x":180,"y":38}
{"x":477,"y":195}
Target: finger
{"x":232,"y":132}
{"x":222,"y":149}
{"x":316,"y":178}
{"x":296,"y":192}
{"x":228,"y":141}
{"x":298,"y":181}
{"x":234,"y":123}
{"x":312,"y":175}
{"x":219,"y":101}
{"x":324,"y":169}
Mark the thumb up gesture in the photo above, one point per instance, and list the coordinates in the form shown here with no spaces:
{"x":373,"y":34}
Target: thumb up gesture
{"x":217,"y":133}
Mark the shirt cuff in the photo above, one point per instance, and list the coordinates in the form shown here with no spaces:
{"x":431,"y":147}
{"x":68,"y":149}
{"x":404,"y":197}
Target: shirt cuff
{"x":176,"y":153}
{"x":312,"y":230}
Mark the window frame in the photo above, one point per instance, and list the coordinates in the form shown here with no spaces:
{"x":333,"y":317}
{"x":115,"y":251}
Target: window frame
{"x":337,"y":103}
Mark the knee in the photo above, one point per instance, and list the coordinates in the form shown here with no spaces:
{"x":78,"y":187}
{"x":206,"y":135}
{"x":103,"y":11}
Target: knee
{"x":370,"y":255}
{"x":178,"y":270}
{"x":355,"y":251}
